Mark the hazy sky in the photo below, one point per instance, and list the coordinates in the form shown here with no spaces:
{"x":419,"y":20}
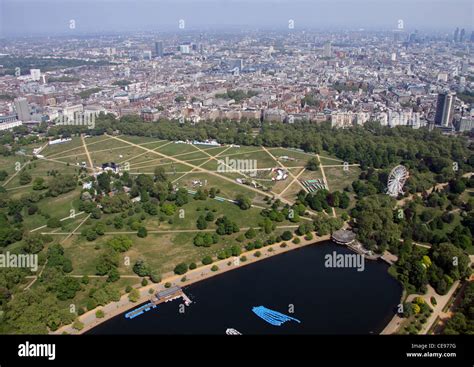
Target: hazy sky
{"x":30,"y":17}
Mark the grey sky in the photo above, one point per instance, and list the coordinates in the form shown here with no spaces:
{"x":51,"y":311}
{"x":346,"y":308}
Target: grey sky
{"x":30,"y":17}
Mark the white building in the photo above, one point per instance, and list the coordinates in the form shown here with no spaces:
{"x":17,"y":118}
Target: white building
{"x":35,"y":74}
{"x":10,"y":125}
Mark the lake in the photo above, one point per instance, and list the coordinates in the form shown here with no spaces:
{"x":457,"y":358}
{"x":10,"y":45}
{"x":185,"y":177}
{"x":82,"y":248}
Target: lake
{"x":296,"y":283}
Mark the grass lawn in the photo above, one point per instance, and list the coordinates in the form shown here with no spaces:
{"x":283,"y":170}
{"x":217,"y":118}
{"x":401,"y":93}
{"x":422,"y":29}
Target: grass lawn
{"x":338,"y":178}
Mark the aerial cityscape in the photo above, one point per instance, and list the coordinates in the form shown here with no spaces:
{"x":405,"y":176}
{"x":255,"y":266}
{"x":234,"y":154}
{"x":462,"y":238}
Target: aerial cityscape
{"x":236,"y":168}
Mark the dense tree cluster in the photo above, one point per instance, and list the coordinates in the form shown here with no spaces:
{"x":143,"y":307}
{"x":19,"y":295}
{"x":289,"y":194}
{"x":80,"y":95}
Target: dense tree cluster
{"x":374,"y":222}
{"x":371,"y":146}
{"x":462,"y":321}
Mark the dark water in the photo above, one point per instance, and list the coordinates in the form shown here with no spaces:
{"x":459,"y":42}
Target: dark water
{"x":325,"y":300}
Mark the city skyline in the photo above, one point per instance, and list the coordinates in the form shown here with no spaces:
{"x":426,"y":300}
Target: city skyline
{"x":52,"y":17}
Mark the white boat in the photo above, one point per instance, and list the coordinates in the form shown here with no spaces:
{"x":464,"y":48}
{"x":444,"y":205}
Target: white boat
{"x":232,"y":332}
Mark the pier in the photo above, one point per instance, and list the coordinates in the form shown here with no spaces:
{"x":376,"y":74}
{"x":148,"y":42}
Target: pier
{"x":171,"y":294}
{"x":343,"y":237}
{"x":348,"y":238}
{"x":166,"y":295}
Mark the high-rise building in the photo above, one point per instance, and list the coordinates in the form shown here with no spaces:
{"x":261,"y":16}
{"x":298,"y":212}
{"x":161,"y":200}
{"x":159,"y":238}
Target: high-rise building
{"x":185,"y":49}
{"x":456,"y":35}
{"x":327,"y":49}
{"x":444,"y":109}
{"x":462,"y":35}
{"x":22,"y":109}
{"x":159,"y":51}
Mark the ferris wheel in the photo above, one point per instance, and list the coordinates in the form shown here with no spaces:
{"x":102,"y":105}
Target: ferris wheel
{"x":397,"y":178}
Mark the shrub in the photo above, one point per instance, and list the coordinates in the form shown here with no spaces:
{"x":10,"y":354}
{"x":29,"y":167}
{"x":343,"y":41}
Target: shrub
{"x":167,"y":284}
{"x":286,"y":236}
{"x":207,"y":260}
{"x":214,"y":268}
{"x":99,"y":314}
{"x":134,"y":295}
{"x":181,"y":269}
{"x":243,"y":258}
{"x":296,"y":240}
{"x":155,"y":278}
{"x":257,"y":254}
{"x":78,"y":325}
{"x":192,"y":266}
{"x":144,"y":282}
{"x":142,"y":232}
{"x":91,"y":304}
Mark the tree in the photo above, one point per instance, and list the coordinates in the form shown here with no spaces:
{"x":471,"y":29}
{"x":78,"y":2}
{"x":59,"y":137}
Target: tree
{"x":3,"y":175}
{"x":201,"y":222}
{"x":134,"y":295}
{"x":181,"y":269}
{"x":141,"y":268}
{"x":118,"y":222}
{"x":96,"y":213}
{"x":251,"y":233}
{"x":236,"y":250}
{"x":302,"y":229}
{"x":457,"y":186}
{"x":25,"y":178}
{"x":286,"y":236}
{"x":78,"y":325}
{"x":142,"y":232}
{"x":210,"y":217}
{"x":200,"y":195}
{"x":120,"y":243}
{"x":62,"y":184}
{"x":99,"y":314}
{"x":181,"y":197}
{"x":374,"y":218}
{"x":38,"y":183}
{"x":113,"y":275}
{"x":66,"y":287}
{"x":33,"y":244}
{"x":160,"y":174}
{"x":155,"y":277}
{"x":225,"y":226}
{"x":207,"y":260}
{"x":108,"y":260}
{"x":243,"y":202}
{"x":452,"y":260}
{"x":168,"y":208}
{"x":312,"y":164}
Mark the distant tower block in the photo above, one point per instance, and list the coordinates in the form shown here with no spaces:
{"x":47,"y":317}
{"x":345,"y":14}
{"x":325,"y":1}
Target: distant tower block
{"x":444,"y":109}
